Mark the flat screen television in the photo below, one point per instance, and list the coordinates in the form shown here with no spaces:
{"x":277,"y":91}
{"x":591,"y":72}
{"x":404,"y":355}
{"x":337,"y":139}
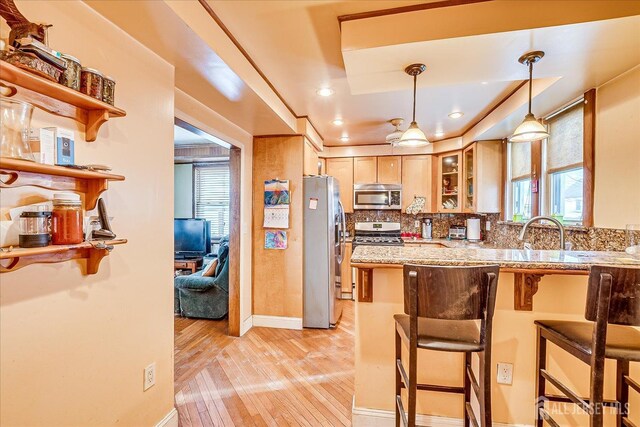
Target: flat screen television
{"x":191,"y":237}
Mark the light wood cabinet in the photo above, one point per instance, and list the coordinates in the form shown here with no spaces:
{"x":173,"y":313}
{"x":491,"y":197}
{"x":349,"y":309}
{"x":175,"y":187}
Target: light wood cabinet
{"x":310,"y":165}
{"x":390,"y":170}
{"x":342,"y":170}
{"x":482,"y":176}
{"x":449,"y":183}
{"x":417,"y":181}
{"x":365,"y":170}
{"x":345,"y":271}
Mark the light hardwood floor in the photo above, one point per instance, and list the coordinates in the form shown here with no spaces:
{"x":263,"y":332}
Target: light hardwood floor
{"x":268,"y":377}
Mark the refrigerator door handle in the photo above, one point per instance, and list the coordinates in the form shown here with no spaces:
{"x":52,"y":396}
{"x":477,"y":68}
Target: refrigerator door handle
{"x":343,"y":237}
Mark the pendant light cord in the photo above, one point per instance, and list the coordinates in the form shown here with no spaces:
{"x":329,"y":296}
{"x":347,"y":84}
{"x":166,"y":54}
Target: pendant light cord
{"x":530,"y":83}
{"x":415,"y":79}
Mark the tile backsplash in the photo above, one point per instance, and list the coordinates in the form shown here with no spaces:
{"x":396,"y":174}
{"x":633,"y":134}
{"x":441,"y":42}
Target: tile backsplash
{"x":503,"y":234}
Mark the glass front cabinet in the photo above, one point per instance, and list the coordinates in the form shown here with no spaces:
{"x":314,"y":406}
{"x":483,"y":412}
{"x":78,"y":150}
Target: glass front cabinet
{"x":469,"y":179}
{"x":450,"y":182}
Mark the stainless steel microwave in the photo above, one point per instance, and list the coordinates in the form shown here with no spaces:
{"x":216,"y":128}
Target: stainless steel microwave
{"x":377,"y":196}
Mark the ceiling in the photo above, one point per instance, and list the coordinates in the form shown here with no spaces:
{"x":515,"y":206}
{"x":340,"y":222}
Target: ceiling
{"x":297,"y":45}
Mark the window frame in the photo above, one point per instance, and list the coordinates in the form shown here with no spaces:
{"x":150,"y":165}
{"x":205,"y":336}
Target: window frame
{"x":214,"y":239}
{"x":541,"y":201}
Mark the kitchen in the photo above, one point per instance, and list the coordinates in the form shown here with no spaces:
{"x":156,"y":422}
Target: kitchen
{"x":414,"y":182}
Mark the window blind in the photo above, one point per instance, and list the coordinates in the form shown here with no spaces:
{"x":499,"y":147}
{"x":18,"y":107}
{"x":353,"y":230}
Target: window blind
{"x":565,"y":145}
{"x":520,"y":160}
{"x":211,"y":196}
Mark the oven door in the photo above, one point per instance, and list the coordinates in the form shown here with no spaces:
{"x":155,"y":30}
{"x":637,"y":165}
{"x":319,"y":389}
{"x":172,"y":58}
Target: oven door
{"x":371,"y":199}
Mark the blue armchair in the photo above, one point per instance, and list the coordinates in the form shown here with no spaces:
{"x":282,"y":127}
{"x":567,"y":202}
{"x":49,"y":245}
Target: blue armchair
{"x":205,"y":297}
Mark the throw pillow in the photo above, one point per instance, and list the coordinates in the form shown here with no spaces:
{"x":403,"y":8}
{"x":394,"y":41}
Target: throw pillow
{"x":210,"y":269}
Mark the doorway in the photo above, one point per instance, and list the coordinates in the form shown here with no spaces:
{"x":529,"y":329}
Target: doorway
{"x":207,"y":191}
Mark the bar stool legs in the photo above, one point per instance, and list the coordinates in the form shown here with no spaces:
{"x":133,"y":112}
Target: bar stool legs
{"x":482,"y":389}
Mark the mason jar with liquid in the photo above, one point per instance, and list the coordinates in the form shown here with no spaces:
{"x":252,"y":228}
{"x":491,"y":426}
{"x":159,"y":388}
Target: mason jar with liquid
{"x":67,"y":219}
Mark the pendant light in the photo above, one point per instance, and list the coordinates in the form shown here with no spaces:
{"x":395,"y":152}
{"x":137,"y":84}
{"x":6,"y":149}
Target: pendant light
{"x":530,"y":129}
{"x":413,"y":136}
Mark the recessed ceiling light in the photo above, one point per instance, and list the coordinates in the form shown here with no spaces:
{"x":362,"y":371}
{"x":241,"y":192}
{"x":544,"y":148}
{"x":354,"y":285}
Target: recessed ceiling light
{"x":439,"y":134}
{"x":338,"y":122}
{"x":325,"y":91}
{"x":344,"y":138}
{"x":456,"y":114}
{"x":484,"y":83}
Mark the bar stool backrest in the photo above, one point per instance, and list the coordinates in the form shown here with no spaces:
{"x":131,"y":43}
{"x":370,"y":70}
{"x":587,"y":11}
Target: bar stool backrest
{"x":451,"y":293}
{"x":615,"y":293}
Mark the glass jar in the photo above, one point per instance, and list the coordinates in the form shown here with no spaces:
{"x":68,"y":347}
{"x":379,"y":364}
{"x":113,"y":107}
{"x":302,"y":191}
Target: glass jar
{"x":66,"y":219}
{"x":108,"y":90}
{"x":34,"y":229}
{"x":71,"y":76}
{"x":91,"y":82}
{"x":15,"y":124}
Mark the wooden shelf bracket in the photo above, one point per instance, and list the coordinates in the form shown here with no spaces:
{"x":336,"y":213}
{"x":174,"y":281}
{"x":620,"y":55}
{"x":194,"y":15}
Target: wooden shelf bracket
{"x":525,"y":287}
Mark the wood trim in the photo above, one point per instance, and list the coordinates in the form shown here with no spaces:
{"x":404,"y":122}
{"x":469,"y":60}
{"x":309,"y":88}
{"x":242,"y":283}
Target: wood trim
{"x":278,"y":135}
{"x":364,"y":281}
{"x":405,"y":9}
{"x":589,"y":141}
{"x":495,"y":107}
{"x":312,"y":125}
{"x":536,"y":172}
{"x":234,"y":241}
{"x":244,"y":53}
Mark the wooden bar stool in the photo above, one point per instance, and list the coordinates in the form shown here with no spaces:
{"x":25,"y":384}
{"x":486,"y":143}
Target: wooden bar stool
{"x":613,"y":307}
{"x":442,"y":306}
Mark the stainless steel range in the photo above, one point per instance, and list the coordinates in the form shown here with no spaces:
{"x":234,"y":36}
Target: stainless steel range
{"x":377,"y":234}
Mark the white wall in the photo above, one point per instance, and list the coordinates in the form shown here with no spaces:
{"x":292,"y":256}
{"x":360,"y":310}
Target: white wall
{"x":183,"y":190}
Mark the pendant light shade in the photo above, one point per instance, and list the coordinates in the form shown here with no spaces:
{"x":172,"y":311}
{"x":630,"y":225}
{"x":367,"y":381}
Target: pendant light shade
{"x":530,"y":129}
{"x":413,"y":136}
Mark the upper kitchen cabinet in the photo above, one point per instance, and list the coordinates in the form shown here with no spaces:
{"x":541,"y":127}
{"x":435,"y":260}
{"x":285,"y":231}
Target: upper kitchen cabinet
{"x":310,"y":165}
{"x":417,"y":180}
{"x":342,"y":170}
{"x":482,"y":175}
{"x":449,"y":181}
{"x":390,"y":170}
{"x":365,"y":170}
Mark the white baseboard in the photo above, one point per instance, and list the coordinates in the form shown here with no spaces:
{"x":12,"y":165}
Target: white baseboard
{"x":364,"y":417}
{"x":169,"y":420}
{"x":277,"y":322}
{"x":246,"y":325}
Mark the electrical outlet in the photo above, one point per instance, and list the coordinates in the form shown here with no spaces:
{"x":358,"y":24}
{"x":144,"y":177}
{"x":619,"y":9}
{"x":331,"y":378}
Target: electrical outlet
{"x":416,"y":224}
{"x":149,"y":376}
{"x":505,"y":373}
{"x":487,"y":226}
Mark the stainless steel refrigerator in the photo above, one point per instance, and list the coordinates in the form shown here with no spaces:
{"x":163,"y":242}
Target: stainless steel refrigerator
{"x":324,"y":245}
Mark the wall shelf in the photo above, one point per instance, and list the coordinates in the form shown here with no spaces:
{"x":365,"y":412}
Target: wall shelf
{"x":59,"y":99}
{"x":14,"y":259}
{"x":19,"y":173}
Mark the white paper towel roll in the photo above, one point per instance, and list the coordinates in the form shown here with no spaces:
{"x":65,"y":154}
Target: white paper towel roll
{"x":473,"y":229}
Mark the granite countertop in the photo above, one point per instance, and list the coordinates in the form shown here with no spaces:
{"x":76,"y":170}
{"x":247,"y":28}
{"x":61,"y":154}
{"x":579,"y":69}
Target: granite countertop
{"x":447,"y":242}
{"x":516,"y":259}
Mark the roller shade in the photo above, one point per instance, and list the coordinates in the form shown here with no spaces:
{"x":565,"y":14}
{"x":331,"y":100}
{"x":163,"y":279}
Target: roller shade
{"x":520,"y":160}
{"x":211,"y":196}
{"x":565,"y":145}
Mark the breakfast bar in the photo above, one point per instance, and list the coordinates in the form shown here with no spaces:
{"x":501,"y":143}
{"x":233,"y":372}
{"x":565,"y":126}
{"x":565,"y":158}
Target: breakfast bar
{"x":558,"y":277}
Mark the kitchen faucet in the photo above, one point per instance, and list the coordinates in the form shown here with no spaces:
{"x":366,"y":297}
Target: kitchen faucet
{"x":541,"y":217}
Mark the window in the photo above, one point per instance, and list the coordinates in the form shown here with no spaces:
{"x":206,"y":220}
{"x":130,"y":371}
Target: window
{"x":564,"y":165}
{"x":211,"y":196}
{"x":554,"y":177}
{"x":520,"y":177}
